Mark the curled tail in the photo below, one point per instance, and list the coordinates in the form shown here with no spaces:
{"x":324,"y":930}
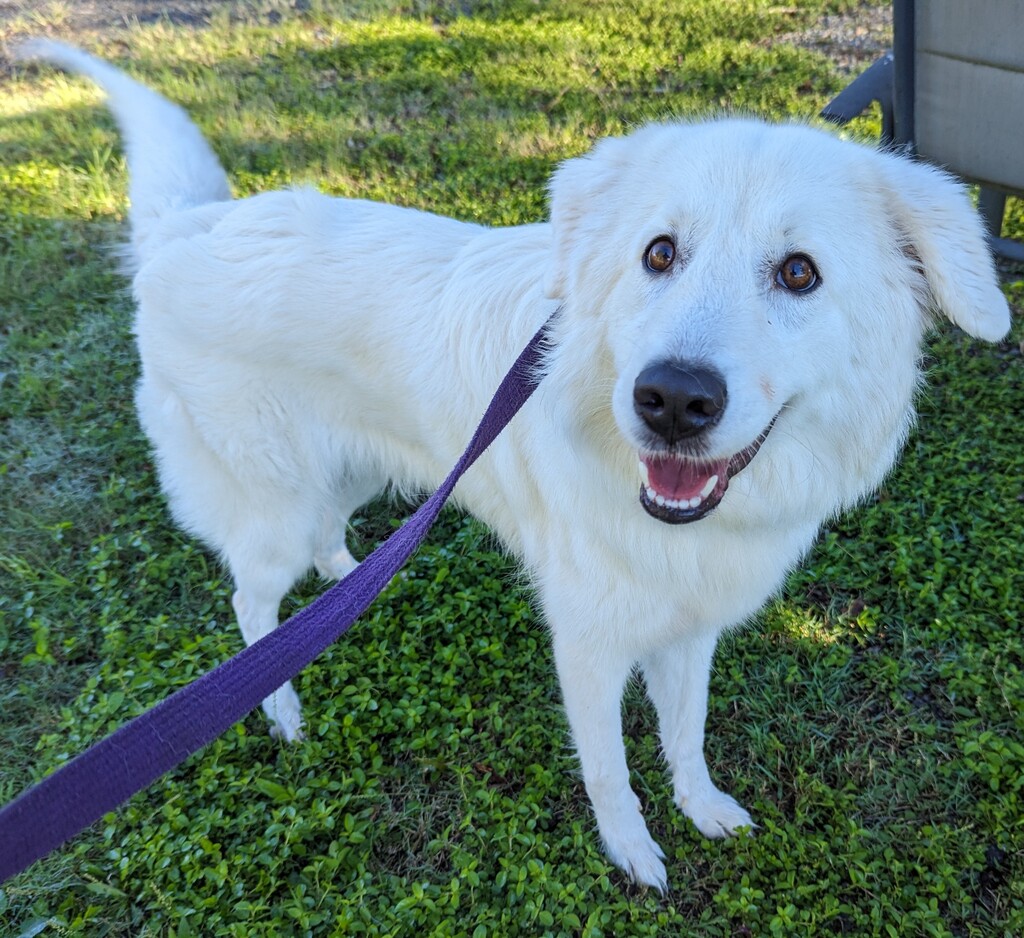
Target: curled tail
{"x":170,"y":164}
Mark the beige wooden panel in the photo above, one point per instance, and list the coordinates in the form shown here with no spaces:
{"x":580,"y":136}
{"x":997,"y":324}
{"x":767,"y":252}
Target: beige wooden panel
{"x":986,"y":31}
{"x":970,"y":118}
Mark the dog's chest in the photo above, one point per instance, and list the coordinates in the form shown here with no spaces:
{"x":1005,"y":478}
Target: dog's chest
{"x":643,"y":584}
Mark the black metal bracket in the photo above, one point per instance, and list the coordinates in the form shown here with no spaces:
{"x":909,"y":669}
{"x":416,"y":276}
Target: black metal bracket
{"x":875,"y":84}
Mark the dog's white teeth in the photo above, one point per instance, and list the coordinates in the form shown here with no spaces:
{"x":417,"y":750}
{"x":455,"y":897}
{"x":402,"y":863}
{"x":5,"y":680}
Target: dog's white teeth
{"x":663,"y":502}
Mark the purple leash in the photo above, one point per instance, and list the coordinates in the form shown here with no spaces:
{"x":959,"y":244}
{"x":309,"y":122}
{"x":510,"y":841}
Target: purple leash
{"x":108,"y":773}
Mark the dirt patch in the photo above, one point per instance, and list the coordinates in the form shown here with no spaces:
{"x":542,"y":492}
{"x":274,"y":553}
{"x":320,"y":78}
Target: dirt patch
{"x":852,"y":41}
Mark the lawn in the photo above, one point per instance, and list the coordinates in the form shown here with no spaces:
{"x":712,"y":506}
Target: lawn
{"x":871,"y":717}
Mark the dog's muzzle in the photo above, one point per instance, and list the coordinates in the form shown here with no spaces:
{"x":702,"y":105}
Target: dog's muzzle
{"x":679,"y":402}
{"x":680,"y":489}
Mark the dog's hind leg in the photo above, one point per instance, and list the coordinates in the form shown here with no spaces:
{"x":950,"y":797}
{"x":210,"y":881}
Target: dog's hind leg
{"x":257,"y":601}
{"x":677,"y":683}
{"x":265,"y":561}
{"x":332,"y":558}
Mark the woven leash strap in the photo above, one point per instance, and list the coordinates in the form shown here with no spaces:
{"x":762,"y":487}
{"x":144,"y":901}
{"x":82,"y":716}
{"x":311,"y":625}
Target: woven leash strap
{"x":111,"y":771}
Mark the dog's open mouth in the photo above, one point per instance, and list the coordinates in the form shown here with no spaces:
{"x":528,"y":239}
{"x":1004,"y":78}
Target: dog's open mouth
{"x":680,"y":489}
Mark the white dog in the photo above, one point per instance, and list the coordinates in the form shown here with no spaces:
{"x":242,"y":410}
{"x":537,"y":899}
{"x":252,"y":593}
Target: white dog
{"x":734,"y":361}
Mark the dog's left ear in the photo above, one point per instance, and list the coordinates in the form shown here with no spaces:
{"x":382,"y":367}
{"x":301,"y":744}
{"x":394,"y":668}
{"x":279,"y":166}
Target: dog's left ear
{"x":945,"y":234}
{"x":578,"y":193}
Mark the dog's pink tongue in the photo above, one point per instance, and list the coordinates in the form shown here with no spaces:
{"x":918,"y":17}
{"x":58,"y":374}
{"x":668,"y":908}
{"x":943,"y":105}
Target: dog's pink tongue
{"x":683,"y":479}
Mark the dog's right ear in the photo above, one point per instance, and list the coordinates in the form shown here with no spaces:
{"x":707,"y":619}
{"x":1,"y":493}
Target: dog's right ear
{"x":577,"y":187}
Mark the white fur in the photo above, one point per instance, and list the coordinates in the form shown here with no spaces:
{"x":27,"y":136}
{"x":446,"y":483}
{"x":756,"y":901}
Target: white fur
{"x":300,"y":351}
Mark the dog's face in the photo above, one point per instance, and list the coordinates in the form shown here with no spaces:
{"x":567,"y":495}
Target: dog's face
{"x":758,"y":287}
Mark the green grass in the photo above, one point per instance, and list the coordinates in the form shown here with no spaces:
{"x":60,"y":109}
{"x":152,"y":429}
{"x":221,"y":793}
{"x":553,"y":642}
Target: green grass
{"x":871,"y":718}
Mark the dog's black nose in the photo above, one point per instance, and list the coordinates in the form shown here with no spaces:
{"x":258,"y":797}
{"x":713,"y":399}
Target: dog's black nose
{"x":679,"y":399}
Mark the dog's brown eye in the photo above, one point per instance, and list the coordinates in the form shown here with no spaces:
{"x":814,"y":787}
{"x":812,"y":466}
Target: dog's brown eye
{"x":659,"y":255}
{"x":797,"y":274}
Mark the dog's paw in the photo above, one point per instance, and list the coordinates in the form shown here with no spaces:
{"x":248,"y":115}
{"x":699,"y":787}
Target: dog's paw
{"x":292,"y":733}
{"x":641,"y":859}
{"x":630,"y":847}
{"x":335,"y":566}
{"x":715,"y":813}
{"x":285,"y":714}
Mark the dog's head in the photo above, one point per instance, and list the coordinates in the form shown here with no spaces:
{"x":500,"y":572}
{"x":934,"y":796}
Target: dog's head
{"x":755,"y":295}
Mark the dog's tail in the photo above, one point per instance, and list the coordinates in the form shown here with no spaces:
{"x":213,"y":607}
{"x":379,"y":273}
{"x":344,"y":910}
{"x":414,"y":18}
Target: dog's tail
{"x":170,"y":164}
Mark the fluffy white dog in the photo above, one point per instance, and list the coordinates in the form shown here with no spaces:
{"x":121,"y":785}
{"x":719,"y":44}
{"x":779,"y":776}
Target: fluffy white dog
{"x":734,"y":361}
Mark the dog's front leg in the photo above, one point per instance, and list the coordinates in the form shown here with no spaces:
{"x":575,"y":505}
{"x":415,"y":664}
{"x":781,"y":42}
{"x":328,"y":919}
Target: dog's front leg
{"x":677,"y":683}
{"x":592,"y":684}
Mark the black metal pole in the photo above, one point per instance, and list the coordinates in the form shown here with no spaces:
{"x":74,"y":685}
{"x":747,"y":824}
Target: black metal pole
{"x":903,"y":74}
